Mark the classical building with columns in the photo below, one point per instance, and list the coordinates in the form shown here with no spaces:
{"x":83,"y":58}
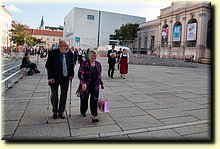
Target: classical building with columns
{"x":183,"y":29}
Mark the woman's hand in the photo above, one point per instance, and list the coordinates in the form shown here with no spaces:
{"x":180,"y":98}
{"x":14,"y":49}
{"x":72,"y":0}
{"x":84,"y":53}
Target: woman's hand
{"x":84,"y":87}
{"x":51,"y":81}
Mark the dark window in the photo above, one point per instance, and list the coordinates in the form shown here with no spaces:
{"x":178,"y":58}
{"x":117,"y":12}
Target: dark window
{"x":90,"y":17}
{"x":113,"y":42}
{"x":152,"y":42}
{"x":139,"y":43}
{"x":145,"y":43}
{"x":112,"y":37}
{"x":209,"y":35}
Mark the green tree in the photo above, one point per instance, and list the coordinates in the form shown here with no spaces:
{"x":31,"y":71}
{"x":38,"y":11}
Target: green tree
{"x":126,"y":33}
{"x":19,"y":35}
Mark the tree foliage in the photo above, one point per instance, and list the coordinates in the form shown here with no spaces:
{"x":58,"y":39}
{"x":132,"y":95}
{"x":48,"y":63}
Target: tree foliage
{"x":126,"y":33}
{"x":19,"y":35}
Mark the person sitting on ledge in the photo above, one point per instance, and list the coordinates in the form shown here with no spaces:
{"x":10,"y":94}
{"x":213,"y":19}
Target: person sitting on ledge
{"x":28,"y":64}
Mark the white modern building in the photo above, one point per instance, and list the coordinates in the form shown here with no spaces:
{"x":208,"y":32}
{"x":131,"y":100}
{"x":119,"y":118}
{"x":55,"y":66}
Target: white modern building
{"x":93,"y":28}
{"x":5,"y":26}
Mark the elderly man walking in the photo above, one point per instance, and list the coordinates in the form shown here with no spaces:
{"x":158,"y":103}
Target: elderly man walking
{"x":60,"y":69}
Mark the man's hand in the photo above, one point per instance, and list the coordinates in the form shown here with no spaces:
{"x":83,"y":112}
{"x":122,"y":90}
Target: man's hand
{"x":51,"y":81}
{"x":70,"y":78}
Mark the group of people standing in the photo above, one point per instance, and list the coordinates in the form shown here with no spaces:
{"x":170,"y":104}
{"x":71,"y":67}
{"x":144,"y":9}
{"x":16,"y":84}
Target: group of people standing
{"x":60,"y":69}
{"x":122,"y":57}
{"x":80,"y":55}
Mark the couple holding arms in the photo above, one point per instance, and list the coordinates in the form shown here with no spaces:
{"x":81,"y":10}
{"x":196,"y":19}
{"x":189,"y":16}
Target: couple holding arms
{"x":60,"y":69}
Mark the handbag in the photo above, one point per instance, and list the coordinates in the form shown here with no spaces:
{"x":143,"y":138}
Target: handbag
{"x":104,"y":103}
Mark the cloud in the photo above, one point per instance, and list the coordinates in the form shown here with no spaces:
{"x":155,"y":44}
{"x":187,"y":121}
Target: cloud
{"x":13,"y":8}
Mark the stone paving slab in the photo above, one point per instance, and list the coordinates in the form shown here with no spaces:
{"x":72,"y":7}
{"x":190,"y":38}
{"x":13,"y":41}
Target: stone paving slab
{"x":139,"y":98}
{"x":121,"y":103}
{"x":94,"y":130}
{"x":187,"y":106}
{"x":15,"y":105}
{"x":202,"y":114}
{"x":41,"y":132}
{"x":77,"y":121}
{"x":115,"y":97}
{"x":177,"y":120}
{"x":202,"y":100}
{"x":9,"y":127}
{"x":12,"y":115}
{"x":136,"y":122}
{"x":199,"y":136}
{"x":124,"y":112}
{"x":166,"y":113}
{"x":193,"y":129}
{"x":154,"y":105}
{"x":168,"y":134}
{"x":20,"y":94}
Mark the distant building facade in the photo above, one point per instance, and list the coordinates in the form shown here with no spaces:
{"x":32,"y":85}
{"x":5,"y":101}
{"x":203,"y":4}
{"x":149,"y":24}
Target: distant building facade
{"x":5,"y":26}
{"x":182,"y":30}
{"x":93,"y":28}
{"x":50,"y":37}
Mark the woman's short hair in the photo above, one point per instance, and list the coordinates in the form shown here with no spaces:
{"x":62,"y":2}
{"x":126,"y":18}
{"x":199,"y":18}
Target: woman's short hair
{"x":92,"y":52}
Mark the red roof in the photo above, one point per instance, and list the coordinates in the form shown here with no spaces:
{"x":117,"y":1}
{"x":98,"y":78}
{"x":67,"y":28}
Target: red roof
{"x":46,"y":32}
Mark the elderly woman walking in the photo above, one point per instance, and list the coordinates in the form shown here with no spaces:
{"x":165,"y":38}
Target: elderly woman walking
{"x":90,"y":80}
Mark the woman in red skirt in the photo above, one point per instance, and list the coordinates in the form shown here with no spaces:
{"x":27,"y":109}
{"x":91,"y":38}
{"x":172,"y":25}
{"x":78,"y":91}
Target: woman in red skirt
{"x":124,"y":59}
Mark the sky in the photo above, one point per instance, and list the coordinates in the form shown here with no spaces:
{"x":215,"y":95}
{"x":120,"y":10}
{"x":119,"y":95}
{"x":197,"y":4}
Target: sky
{"x":30,"y":13}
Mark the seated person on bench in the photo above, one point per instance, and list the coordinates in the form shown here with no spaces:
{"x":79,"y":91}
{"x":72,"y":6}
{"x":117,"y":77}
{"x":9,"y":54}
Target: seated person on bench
{"x":28,"y":64}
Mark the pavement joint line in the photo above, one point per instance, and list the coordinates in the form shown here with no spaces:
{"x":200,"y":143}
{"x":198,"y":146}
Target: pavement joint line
{"x":127,"y":132}
{"x":28,"y":98}
{"x":197,"y":109}
{"x":178,"y":117}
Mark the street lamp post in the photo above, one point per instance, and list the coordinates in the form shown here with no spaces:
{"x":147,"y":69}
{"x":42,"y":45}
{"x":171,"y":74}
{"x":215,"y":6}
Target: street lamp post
{"x":9,"y":34}
{"x":25,"y":49}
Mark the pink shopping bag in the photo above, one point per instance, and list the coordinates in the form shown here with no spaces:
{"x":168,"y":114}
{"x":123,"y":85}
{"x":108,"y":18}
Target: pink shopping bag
{"x":104,"y":104}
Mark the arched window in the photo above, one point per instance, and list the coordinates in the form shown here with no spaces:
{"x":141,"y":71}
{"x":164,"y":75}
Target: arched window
{"x":191,"y":38}
{"x":209,"y":35}
{"x":164,"y":40}
{"x":177,"y":32}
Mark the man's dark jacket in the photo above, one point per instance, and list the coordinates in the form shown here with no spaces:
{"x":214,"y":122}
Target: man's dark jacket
{"x":54,"y":65}
{"x":110,"y":59}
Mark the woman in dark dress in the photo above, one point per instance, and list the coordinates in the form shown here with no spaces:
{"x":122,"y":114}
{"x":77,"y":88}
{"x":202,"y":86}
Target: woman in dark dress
{"x":90,"y":80}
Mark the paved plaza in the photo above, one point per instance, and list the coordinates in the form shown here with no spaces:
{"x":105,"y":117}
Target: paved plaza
{"x":152,"y":103}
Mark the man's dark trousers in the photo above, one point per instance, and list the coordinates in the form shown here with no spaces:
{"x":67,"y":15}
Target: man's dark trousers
{"x":64,"y":84}
{"x":111,"y":69}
